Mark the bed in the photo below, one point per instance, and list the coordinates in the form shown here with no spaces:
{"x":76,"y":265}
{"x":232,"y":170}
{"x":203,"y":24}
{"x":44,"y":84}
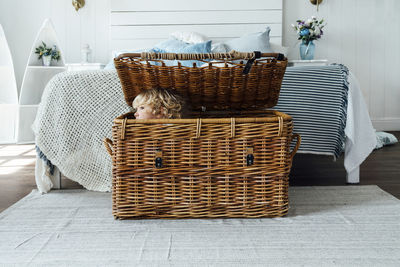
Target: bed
{"x":77,"y":108}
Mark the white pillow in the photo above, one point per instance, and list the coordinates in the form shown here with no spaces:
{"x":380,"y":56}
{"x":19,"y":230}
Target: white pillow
{"x":257,"y":41}
{"x":277,"y":48}
{"x":115,"y":53}
{"x":189,"y":37}
{"x":218,"y":48}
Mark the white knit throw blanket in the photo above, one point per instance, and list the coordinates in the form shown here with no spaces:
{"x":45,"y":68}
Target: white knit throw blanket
{"x":76,"y":113}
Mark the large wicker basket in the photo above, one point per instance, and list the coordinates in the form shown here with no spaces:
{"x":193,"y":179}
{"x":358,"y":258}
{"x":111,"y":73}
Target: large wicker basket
{"x":202,"y":167}
{"x":232,"y":163}
{"x":226,"y":81}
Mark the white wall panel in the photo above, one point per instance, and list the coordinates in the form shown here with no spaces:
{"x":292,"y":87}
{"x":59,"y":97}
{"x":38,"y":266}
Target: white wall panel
{"x":212,"y":31}
{"x":391,"y":78}
{"x":102,"y":28}
{"x":377,"y":66}
{"x":160,"y":5}
{"x":196,"y":17}
{"x":143,"y":25}
{"x":363,"y":10}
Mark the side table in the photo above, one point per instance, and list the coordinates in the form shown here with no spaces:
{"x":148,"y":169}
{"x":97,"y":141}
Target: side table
{"x":84,"y":66}
{"x":313,"y":62}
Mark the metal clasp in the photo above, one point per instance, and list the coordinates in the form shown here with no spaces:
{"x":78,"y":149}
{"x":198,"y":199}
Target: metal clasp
{"x":158,"y":159}
{"x":250,"y":156}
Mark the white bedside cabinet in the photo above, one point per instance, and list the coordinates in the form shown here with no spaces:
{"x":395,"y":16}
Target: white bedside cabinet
{"x":313,"y":62}
{"x":84,"y":66}
{"x":35,"y":79}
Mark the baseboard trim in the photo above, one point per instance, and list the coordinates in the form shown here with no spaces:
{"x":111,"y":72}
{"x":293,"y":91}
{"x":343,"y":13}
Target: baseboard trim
{"x":392,"y":124}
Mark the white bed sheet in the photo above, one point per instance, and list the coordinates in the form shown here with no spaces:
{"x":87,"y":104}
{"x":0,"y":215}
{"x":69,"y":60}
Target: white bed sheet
{"x":360,"y":134}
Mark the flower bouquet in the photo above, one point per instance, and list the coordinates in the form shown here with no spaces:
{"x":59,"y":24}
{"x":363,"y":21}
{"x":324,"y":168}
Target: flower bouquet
{"x":308,"y":31}
{"x":47,"y":53}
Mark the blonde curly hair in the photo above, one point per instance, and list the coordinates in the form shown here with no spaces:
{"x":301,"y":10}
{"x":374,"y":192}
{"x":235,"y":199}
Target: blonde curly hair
{"x":162,"y":101}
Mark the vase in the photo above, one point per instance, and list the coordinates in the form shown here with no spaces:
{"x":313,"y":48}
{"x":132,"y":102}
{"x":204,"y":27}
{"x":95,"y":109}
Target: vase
{"x":307,"y":50}
{"x":46,"y":60}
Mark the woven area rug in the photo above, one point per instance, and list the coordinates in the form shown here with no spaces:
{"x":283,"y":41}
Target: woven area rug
{"x":326,"y":226}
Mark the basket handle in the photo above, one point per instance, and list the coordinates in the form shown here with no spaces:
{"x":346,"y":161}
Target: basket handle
{"x":185,"y":56}
{"x":108,"y":144}
{"x":298,"y":141}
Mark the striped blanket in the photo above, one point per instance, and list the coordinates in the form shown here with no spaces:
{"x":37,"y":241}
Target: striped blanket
{"x":316,"y":98}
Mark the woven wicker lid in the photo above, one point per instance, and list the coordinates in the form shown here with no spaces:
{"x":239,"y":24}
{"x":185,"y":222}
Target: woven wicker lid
{"x":223,"y":81}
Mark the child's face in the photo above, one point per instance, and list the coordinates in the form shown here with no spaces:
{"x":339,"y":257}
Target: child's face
{"x":145,"y":112}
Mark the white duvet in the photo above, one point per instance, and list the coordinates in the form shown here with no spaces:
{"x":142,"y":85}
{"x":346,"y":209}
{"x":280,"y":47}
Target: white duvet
{"x":74,"y":116}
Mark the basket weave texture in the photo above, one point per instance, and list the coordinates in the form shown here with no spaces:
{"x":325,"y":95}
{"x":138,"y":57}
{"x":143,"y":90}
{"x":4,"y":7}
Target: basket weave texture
{"x":210,"y":167}
{"x":218,"y":85}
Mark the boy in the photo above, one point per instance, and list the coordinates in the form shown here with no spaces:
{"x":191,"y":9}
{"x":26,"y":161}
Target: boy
{"x":158,"y":103}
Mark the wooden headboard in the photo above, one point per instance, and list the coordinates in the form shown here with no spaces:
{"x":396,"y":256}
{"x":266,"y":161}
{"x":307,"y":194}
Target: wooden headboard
{"x":141,"y":24}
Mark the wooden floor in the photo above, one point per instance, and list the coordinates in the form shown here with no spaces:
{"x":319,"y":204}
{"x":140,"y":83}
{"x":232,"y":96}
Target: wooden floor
{"x":382,"y":168}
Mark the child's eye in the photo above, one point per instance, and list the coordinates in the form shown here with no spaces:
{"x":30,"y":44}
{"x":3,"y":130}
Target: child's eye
{"x":141,"y":107}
